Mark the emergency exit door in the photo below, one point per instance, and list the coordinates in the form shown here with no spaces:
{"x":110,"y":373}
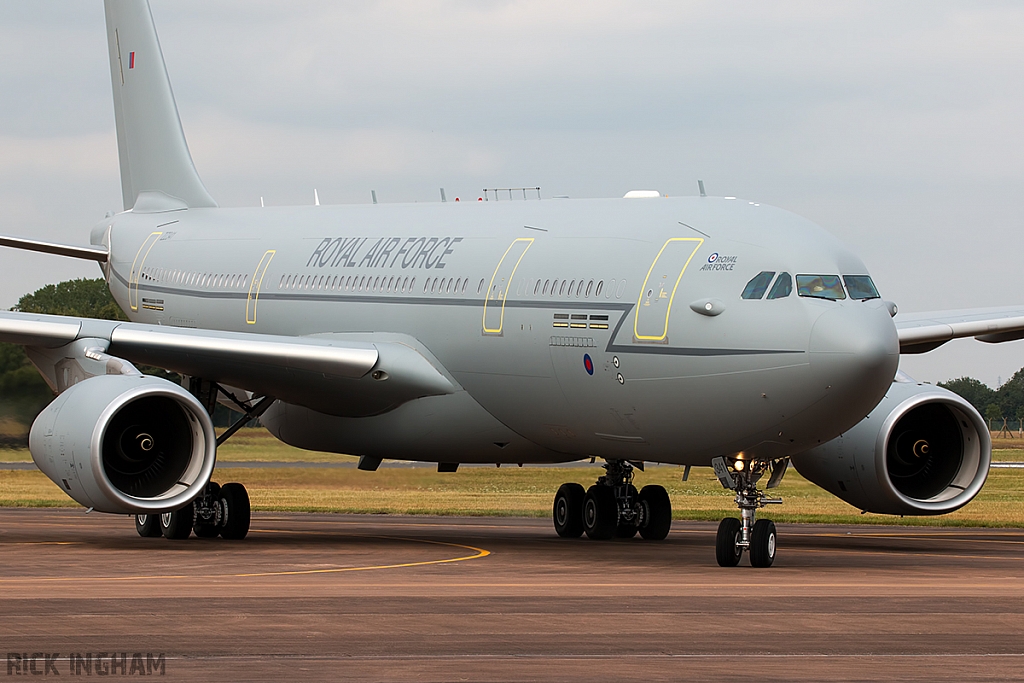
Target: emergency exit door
{"x":657,"y":295}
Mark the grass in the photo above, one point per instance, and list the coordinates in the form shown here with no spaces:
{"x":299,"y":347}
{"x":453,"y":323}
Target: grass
{"x":513,"y":491}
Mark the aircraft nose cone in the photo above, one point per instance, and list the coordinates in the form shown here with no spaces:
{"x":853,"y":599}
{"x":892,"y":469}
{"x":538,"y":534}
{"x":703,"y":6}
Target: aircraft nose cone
{"x":855,"y":351}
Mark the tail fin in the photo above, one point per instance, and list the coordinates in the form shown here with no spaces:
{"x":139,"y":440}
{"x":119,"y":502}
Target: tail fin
{"x":150,"y":142}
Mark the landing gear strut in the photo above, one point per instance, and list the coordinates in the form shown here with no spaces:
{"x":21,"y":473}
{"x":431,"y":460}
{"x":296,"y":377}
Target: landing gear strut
{"x":613,"y":508}
{"x":736,"y":535}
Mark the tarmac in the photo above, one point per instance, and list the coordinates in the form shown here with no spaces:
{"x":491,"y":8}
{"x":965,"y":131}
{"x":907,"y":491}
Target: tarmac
{"x":310,"y":597}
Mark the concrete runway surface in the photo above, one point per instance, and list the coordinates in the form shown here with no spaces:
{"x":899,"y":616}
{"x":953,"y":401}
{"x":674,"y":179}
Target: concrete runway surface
{"x":345,"y":597}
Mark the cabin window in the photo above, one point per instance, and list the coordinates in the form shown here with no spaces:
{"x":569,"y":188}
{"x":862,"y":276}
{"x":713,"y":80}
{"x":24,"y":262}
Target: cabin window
{"x":860,"y":287}
{"x":820,"y":287}
{"x":590,"y":285}
{"x":755,"y":289}
{"x":561,"y":288}
{"x":579,"y":288}
{"x":782,"y":288}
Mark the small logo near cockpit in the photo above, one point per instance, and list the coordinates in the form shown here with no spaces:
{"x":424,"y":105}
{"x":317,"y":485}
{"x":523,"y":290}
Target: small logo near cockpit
{"x":588,"y":364}
{"x":719,"y":262}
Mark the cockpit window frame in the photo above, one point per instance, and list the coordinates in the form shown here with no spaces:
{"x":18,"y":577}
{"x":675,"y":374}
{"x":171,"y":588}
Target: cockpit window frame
{"x":756,"y":287}
{"x":782,"y":288}
{"x":860,"y":279}
{"x":830,"y":284}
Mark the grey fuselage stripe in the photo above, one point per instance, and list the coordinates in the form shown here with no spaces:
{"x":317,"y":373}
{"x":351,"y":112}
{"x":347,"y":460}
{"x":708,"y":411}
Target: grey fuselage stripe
{"x":624,"y":307}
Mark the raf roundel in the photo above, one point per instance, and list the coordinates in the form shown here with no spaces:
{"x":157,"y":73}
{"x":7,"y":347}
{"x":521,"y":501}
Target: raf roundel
{"x":588,"y":364}
{"x":713,"y":257}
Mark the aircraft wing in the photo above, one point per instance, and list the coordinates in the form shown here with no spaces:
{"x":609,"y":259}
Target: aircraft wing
{"x":328,"y":373}
{"x":921,"y":332}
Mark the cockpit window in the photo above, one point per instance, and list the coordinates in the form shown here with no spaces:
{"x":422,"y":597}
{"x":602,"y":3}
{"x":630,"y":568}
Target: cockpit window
{"x":861,"y":287}
{"x":782,"y":288}
{"x":756,"y":287}
{"x":820,"y":287}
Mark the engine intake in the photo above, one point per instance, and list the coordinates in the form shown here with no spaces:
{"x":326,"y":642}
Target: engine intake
{"x":126,"y":444}
{"x":922,"y":451}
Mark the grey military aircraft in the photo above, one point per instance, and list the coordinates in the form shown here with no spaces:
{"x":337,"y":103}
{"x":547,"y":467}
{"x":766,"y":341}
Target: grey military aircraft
{"x":484,"y":332}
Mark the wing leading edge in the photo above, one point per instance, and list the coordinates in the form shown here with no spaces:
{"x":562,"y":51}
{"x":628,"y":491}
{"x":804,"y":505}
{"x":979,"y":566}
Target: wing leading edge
{"x":331,"y":375}
{"x":922,"y":332}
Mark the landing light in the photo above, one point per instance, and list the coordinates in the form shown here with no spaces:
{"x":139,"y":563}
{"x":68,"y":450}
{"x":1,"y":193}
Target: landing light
{"x":738,"y":465}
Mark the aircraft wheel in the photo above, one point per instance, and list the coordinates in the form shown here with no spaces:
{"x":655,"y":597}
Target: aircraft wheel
{"x":235,"y":502}
{"x":208,"y":529}
{"x":762,"y":543}
{"x":657,"y":512}
{"x":628,"y":529}
{"x":568,"y":510}
{"x":600,"y":512}
{"x":148,"y":526}
{"x":178,"y":524}
{"x":726,"y":549}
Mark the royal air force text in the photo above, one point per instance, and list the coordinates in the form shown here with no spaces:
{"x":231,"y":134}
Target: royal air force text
{"x":404,"y":253}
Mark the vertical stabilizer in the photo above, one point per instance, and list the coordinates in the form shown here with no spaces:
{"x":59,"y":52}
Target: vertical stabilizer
{"x":150,"y":142}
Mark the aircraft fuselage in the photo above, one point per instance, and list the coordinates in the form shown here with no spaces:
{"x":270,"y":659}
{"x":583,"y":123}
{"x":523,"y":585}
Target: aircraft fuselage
{"x":573,"y":328}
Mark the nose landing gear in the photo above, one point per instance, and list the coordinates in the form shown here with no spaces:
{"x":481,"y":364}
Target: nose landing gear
{"x":736,"y":535}
{"x":613,"y":508}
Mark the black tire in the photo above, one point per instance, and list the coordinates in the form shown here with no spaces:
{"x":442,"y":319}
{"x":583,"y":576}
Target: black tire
{"x":235,"y":502}
{"x":567,"y":511}
{"x":177,"y":525}
{"x":656,"y":513}
{"x":201,"y":528}
{"x":763,"y":543}
{"x":628,"y":529}
{"x":726,"y":550}
{"x":148,"y":526}
{"x":600,"y":513}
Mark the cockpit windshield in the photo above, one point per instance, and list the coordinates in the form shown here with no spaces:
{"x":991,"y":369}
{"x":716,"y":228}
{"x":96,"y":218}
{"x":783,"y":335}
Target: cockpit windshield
{"x":861,"y":287}
{"x":782,"y":288}
{"x":820,"y":287}
{"x":756,"y":287}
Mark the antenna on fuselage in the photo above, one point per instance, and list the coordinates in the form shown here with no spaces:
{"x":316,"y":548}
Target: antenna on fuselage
{"x":373,"y":195}
{"x":316,"y":198}
{"x":700,"y":184}
{"x":262,"y":205}
{"x":443,"y":199}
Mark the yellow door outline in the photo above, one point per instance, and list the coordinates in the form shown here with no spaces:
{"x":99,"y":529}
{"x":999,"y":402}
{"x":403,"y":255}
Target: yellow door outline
{"x":136,"y":272}
{"x":257,"y":283}
{"x":502,"y":292}
{"x":639,"y":302}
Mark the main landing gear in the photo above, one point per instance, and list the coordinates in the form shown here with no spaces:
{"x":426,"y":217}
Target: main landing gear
{"x":613,"y":508}
{"x":220,"y":511}
{"x":737,"y":535}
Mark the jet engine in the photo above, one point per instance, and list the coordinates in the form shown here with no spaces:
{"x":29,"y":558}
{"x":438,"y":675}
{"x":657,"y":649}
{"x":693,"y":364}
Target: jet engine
{"x":922,"y":451}
{"x":126,"y":444}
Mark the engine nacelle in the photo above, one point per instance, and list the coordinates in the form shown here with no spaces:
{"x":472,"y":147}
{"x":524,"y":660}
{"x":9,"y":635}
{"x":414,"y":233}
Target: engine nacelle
{"x":126,"y":444}
{"x":922,"y":451}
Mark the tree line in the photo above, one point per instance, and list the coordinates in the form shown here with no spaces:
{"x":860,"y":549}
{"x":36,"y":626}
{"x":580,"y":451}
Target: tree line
{"x":23,"y":393}
{"x":994,"y":404}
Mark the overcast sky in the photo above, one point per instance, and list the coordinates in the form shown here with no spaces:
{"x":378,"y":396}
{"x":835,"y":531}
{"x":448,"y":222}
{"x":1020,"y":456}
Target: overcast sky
{"x":899,"y":127}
